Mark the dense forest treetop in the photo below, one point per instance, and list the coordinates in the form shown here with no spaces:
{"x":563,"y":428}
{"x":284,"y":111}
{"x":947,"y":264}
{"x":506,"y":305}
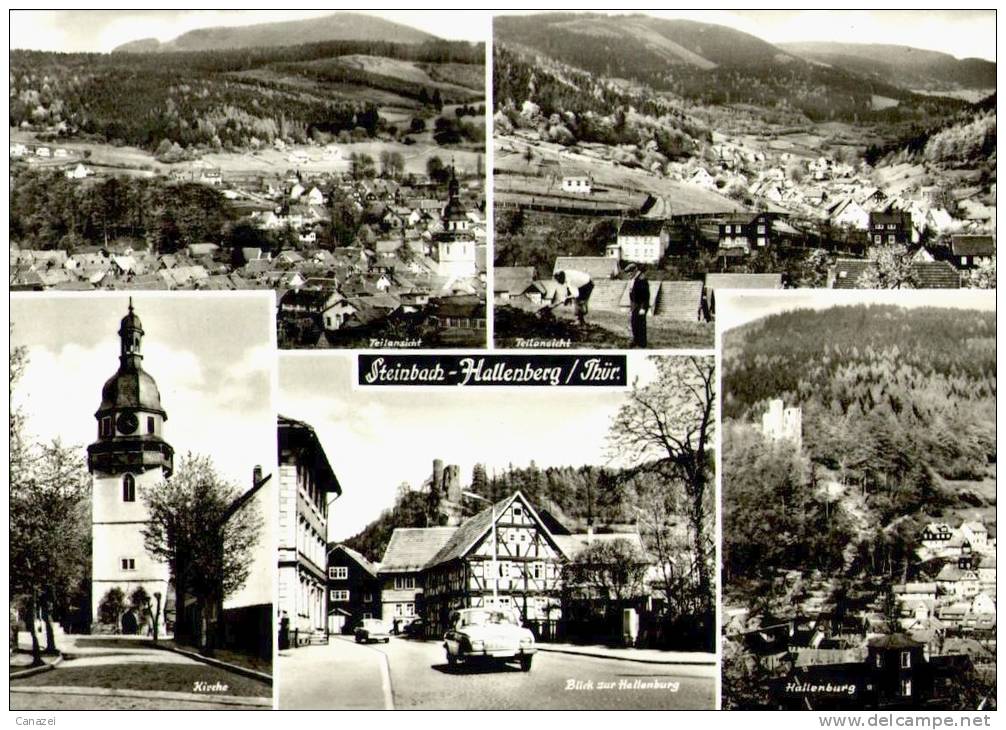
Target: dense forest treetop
{"x":711,"y":64}
{"x":238,"y":98}
{"x":335,"y":27}
{"x":910,"y":68}
{"x":814,"y":355}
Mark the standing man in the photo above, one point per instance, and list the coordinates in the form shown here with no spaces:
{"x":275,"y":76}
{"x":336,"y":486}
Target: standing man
{"x":639,"y":303}
{"x":575,"y":286}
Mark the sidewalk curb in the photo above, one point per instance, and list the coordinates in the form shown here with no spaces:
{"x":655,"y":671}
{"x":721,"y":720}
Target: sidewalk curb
{"x":639,"y":660}
{"x":386,"y":690}
{"x":237,"y":669}
{"x":37,"y":670}
{"x":147,"y":695}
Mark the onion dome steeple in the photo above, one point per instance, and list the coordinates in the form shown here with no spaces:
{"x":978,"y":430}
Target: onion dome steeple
{"x":130,"y":416}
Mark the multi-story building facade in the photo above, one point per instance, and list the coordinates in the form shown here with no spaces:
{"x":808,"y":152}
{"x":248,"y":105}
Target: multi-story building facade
{"x":641,"y":240}
{"x":401,"y":571}
{"x":307,"y":484}
{"x":354,"y":589}
{"x":129,"y":457}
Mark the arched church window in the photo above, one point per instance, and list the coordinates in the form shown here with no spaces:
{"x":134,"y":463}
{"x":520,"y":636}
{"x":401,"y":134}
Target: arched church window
{"x":128,"y":488}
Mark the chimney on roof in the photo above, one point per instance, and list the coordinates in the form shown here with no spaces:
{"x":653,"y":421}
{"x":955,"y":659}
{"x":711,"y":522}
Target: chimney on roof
{"x":256,"y":474}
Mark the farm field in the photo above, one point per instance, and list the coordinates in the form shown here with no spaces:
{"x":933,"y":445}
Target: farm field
{"x":126,"y":160}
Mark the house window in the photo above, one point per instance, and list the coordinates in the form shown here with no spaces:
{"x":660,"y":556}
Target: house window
{"x":368,"y":597}
{"x":128,"y":563}
{"x":878,"y":239}
{"x":339,"y":596}
{"x":906,"y":660}
{"x":410,"y":609}
{"x":338,"y":573}
{"x":405,"y":582}
{"x":367,"y":614}
{"x":878,"y":661}
{"x":539,"y":569}
{"x":890,"y":238}
{"x":503,"y":569}
{"x":398,"y":609}
{"x":128,"y":488}
{"x":517,"y":511}
{"x":106,"y":426}
{"x":906,"y":688}
{"x":761,"y":229}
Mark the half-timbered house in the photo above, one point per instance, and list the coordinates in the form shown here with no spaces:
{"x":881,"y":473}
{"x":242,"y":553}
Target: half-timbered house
{"x":521,"y":569}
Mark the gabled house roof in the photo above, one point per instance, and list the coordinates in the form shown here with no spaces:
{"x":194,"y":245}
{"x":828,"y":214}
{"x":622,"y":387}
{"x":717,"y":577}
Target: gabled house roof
{"x":411,"y":548}
{"x":962,"y":245}
{"x":599,"y":267}
{"x":936,"y":275}
{"x":357,"y":558}
{"x":743,"y":281}
{"x":472,"y":530}
{"x":641,"y":227}
{"x":512,"y":279}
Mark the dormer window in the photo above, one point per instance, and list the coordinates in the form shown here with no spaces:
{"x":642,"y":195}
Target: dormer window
{"x":128,"y":488}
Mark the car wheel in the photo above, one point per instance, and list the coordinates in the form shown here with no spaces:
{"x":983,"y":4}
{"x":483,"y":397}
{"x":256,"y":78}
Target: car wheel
{"x":387,"y":639}
{"x":525,"y":663}
{"x":359,"y":640}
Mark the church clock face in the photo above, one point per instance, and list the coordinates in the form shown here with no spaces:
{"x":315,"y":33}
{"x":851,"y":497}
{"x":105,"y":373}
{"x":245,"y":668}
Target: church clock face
{"x":127,"y":423}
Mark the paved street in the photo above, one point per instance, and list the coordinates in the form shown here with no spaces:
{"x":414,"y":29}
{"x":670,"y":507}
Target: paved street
{"x":346,"y":675}
{"x":126,"y":673}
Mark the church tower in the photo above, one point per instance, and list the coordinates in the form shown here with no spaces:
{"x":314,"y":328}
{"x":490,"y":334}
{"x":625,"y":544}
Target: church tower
{"x":129,"y":457}
{"x":454,"y":247}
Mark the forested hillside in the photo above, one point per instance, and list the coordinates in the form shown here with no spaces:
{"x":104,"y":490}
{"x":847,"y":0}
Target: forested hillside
{"x":573,"y":495}
{"x":234,"y":98}
{"x":712,"y":65}
{"x":909,"y":68}
{"x":895,"y":402}
{"x":572,"y":106}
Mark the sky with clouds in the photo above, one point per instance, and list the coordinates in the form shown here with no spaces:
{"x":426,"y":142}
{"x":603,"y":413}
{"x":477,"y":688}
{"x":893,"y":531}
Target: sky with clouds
{"x":962,"y":33}
{"x":211,"y":357}
{"x":379,"y":437}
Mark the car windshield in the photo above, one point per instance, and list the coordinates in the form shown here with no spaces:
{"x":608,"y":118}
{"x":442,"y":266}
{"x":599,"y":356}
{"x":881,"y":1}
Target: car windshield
{"x":484,"y":618}
{"x":372,"y":624}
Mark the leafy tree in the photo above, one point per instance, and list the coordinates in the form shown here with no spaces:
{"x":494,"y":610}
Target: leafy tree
{"x":112,"y":606}
{"x":612,"y":569}
{"x":437,"y":171}
{"x":49,"y":519}
{"x":744,"y":679}
{"x":665,"y":428}
{"x":209,"y":554}
{"x":983,"y":276}
{"x":892,"y":269}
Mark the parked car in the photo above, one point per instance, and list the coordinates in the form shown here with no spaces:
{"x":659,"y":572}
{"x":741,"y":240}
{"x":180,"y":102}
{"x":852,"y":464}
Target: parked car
{"x":415,"y":629}
{"x":488,"y":634}
{"x":371,"y":629}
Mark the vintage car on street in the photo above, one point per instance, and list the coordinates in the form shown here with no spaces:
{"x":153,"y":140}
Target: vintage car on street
{"x":488,"y":634}
{"x":371,"y":629}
